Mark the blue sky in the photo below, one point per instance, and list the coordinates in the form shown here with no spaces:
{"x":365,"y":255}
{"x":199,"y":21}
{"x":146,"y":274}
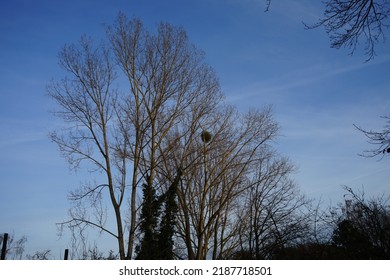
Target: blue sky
{"x":317,"y":93}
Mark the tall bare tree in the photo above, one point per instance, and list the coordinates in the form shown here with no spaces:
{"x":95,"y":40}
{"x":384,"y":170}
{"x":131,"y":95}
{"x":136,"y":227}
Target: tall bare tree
{"x":215,"y":167}
{"x":121,"y":135}
{"x":167,"y":77}
{"x":87,"y":100}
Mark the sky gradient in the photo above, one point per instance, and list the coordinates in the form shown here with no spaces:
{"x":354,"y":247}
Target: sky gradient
{"x":261,"y":58}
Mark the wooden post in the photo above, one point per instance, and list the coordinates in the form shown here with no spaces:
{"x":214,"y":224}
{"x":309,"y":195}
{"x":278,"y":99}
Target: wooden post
{"x":4,"y":247}
{"x":66,"y":254}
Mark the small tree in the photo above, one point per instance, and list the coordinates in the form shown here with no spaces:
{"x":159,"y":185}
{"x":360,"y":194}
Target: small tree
{"x":40,"y":255}
{"x":158,"y":227}
{"x":370,"y":220}
{"x":275,"y":214}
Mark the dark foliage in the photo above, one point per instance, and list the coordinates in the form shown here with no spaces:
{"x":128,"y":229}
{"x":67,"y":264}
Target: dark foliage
{"x":147,"y":249}
{"x":158,"y":228}
{"x":361,"y":232}
{"x":168,"y":222}
{"x":205,"y":136}
{"x":307,"y":251}
{"x":352,"y":243}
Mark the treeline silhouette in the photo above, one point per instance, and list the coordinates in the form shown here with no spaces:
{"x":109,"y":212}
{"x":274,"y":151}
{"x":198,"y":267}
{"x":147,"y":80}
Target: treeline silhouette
{"x":358,"y":229}
{"x":361,"y":232}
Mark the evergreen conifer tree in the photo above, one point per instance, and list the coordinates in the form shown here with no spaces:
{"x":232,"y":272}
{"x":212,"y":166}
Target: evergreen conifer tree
{"x":149,"y":220}
{"x":168,"y":221}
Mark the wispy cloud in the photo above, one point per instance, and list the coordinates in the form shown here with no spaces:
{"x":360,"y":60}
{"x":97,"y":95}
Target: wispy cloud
{"x":17,"y":132}
{"x":301,"y":77}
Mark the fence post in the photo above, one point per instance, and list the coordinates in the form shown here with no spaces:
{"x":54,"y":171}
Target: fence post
{"x":4,"y":247}
{"x":66,"y":254}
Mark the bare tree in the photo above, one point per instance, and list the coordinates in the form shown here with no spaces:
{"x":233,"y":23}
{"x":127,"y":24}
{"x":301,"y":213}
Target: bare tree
{"x":215,"y":175}
{"x":122,"y":135}
{"x":40,"y":255}
{"x":87,"y":100}
{"x":167,"y":77}
{"x":275,"y":212}
{"x":14,"y":248}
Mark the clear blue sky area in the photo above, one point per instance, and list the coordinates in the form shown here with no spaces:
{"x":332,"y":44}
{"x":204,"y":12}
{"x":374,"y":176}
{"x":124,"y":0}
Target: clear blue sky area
{"x":261,"y":58}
